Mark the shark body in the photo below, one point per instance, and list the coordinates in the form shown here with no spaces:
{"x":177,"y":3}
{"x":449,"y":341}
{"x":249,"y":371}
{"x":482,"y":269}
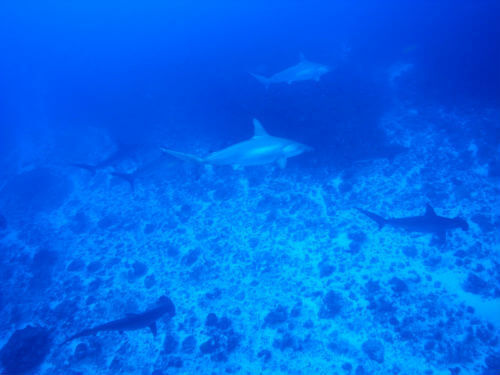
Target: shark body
{"x":132,"y":322}
{"x":429,"y":223}
{"x":305,"y":70}
{"x":261,"y":149}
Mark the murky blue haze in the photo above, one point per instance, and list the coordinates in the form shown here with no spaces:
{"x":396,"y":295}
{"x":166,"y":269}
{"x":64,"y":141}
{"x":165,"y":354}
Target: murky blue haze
{"x":250,"y":187}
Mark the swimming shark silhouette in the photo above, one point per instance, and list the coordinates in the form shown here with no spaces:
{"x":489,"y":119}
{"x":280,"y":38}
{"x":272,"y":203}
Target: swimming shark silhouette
{"x":122,"y":152}
{"x":305,"y":70}
{"x":133,"y":322}
{"x":261,"y":149}
{"x":428,"y":223}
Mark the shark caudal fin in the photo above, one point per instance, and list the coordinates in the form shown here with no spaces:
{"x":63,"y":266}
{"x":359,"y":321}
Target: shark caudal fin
{"x":91,"y":168}
{"x":378,"y":219}
{"x":264,"y":80}
{"x":182,"y":155}
{"x":129,"y":177}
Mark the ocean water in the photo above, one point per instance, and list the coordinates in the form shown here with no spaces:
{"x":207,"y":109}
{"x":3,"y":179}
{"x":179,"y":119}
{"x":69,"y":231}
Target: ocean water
{"x":250,"y":187}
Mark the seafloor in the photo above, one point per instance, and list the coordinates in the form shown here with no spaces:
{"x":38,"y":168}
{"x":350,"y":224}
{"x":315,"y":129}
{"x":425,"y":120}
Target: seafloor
{"x":299,"y":281}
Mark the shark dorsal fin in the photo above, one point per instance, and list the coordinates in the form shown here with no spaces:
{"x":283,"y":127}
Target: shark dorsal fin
{"x":429,"y":211}
{"x":258,"y":129}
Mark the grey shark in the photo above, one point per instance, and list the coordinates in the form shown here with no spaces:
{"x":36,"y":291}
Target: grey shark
{"x":133,"y":322}
{"x":305,"y":70}
{"x":430,"y":223}
{"x":261,"y":149}
{"x":123,"y":152}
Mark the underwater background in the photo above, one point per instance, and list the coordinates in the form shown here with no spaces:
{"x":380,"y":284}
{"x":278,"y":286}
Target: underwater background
{"x":373,"y":249}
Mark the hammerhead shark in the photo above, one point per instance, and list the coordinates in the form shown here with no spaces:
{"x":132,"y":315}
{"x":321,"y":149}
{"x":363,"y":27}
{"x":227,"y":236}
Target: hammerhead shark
{"x":133,"y":322}
{"x":305,"y":70}
{"x":261,"y":149}
{"x":430,"y":222}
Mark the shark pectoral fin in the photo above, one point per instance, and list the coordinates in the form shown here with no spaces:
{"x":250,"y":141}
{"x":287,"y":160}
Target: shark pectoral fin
{"x":183,"y":156}
{"x":153,"y":328}
{"x":282,"y":162}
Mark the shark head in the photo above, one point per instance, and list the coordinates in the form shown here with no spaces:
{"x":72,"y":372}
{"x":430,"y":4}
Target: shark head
{"x":295,"y":148}
{"x":323,"y":69}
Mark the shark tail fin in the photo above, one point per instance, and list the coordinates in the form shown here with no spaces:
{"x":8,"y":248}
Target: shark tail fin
{"x":129,"y":177}
{"x":183,"y":156}
{"x":91,"y":168}
{"x":264,"y":80}
{"x":377,"y":218}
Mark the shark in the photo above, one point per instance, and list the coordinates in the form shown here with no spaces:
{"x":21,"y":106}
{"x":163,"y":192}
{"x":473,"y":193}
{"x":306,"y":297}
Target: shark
{"x":305,"y":70}
{"x":123,"y":152}
{"x":133,"y":322}
{"x":261,"y":149}
{"x":429,"y":223}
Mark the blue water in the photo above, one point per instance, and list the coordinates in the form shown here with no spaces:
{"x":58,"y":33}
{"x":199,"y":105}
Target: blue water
{"x":356,"y":233}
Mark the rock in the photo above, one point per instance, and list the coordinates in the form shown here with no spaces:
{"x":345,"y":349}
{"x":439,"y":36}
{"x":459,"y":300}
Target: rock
{"x":149,"y":228}
{"x":81,"y":352}
{"x":474,"y":284}
{"x":25,"y":350}
{"x":170,"y":344}
{"x":398,"y":286}
{"x":76,"y":265}
{"x":332,"y":305}
{"x":38,"y":190}
{"x":211,"y":320}
{"x":410,"y":251}
{"x":224,"y":323}
{"x":188,"y":345}
{"x":325,"y":269}
{"x":190,"y":258}
{"x":347,"y":367}
{"x":374,"y":350}
{"x":277,"y":316}
{"x":493,"y":361}
{"x":138,"y":270}
{"x":175,"y":362}
{"x":210,"y":346}
{"x":149,"y":281}
{"x":265,"y":355}
{"x":80,"y":223}
{"x":94,"y":266}
{"x":41,"y":267}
